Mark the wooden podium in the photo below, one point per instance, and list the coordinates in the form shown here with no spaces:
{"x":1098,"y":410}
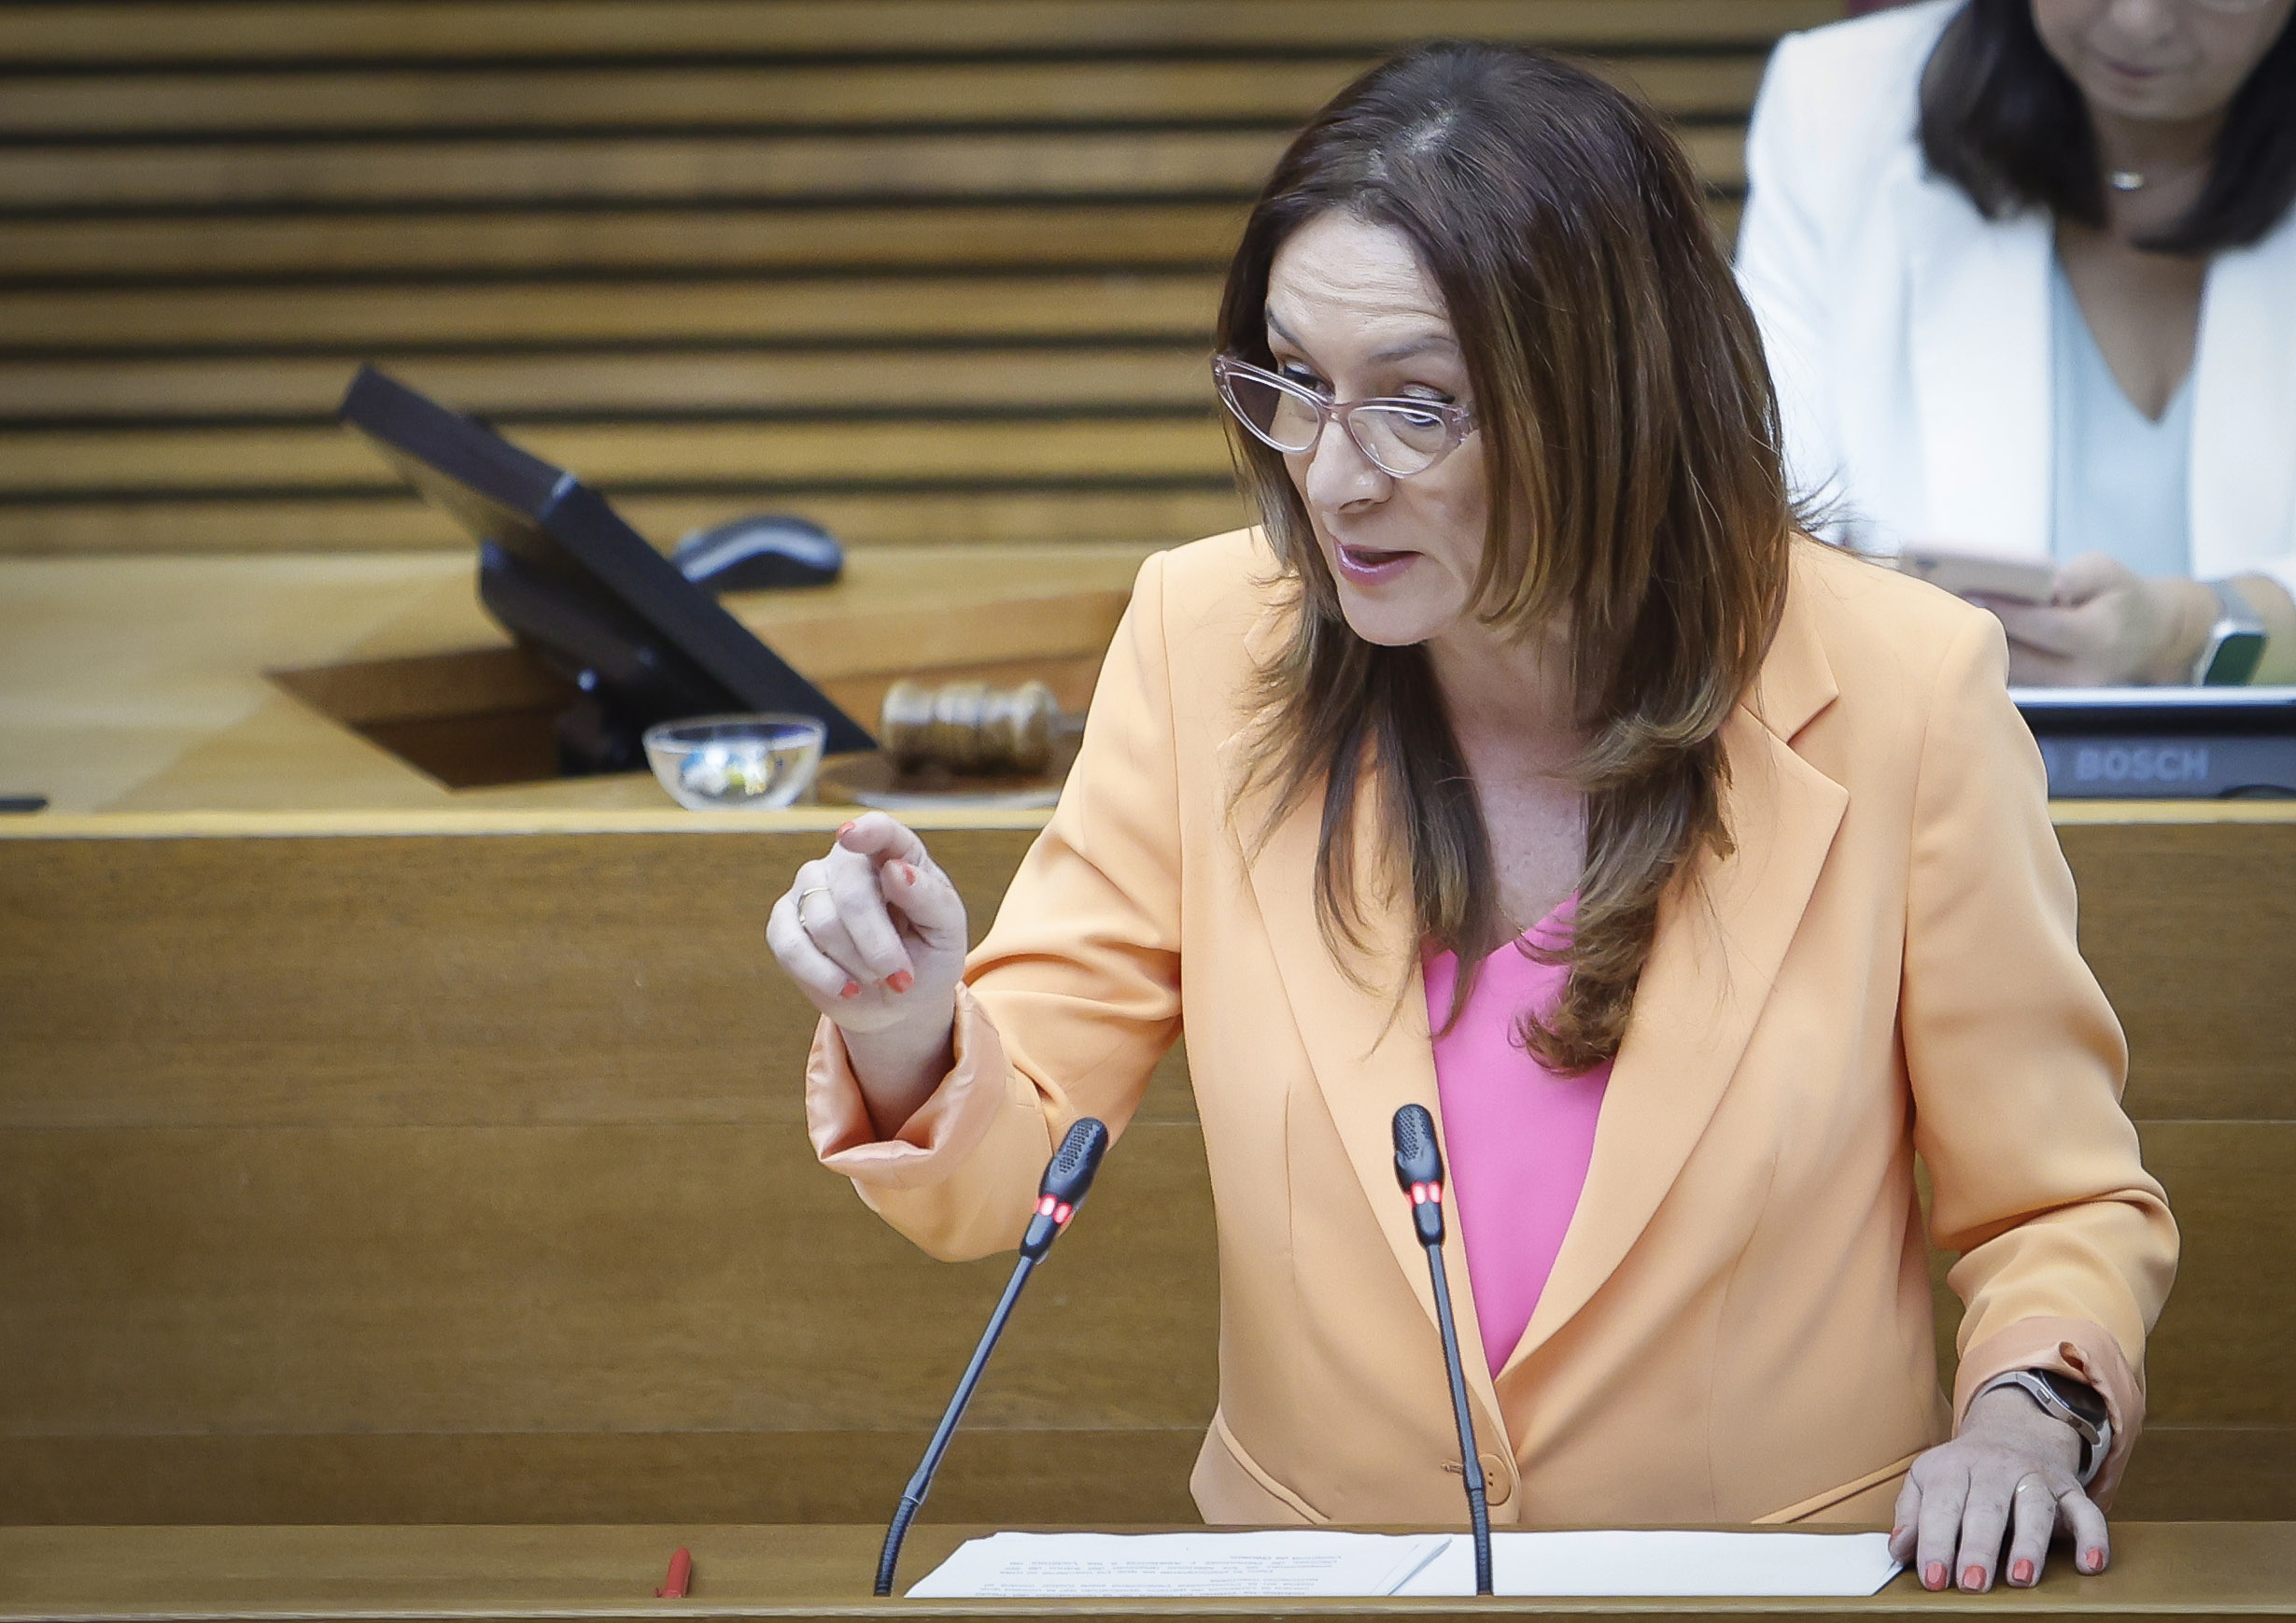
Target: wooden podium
{"x":373,"y":1151}
{"x":2185,"y":1571}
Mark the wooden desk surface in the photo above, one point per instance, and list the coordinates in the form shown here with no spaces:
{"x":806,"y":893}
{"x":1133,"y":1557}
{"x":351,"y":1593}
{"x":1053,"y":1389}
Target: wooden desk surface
{"x":2180,"y":1570}
{"x":522,"y":817}
{"x":139,"y":684}
{"x":135,"y":688}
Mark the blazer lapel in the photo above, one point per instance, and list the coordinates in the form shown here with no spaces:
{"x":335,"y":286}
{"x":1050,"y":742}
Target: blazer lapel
{"x":1978,"y":331}
{"x":1370,"y":1055}
{"x":2244,"y":410}
{"x":1717,"y":950}
{"x":1709,"y":974}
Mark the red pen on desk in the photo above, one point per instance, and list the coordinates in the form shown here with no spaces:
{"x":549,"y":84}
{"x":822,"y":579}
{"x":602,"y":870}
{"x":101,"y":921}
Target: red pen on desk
{"x":681,"y":1575}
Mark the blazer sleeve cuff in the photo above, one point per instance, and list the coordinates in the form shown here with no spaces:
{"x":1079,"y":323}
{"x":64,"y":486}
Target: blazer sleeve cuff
{"x":926,"y":1149}
{"x":2068,"y":1347}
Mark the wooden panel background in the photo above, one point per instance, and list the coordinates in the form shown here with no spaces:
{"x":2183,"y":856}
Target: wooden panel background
{"x":461,"y":1177}
{"x":937,"y":272}
{"x":465,"y":1178}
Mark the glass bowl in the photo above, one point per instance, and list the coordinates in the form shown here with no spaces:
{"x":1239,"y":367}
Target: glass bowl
{"x":735,"y":763}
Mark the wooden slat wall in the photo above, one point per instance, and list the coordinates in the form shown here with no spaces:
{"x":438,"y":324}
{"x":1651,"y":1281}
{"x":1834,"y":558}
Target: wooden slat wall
{"x":462,"y":1179}
{"x":928,"y":269}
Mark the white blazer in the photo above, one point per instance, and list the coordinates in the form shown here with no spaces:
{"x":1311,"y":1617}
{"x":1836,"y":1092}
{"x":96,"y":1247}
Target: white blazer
{"x":1909,"y":335}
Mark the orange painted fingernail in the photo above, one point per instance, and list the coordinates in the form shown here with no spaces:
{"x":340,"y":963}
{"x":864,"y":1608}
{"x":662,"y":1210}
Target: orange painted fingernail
{"x":909,"y":874}
{"x":2096,"y":1560}
{"x":1934,"y":1576}
{"x":900,"y":981}
{"x":843,"y":829}
{"x":1973,"y":1577}
{"x":2022,"y":1572}
{"x":853,"y":989}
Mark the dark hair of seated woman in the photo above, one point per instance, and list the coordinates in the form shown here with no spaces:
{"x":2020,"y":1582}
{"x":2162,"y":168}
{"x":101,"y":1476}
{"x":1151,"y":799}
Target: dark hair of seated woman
{"x":2004,"y":121}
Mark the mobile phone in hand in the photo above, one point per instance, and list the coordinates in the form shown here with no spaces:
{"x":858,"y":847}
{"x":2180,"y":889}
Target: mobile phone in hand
{"x":2011,"y":580}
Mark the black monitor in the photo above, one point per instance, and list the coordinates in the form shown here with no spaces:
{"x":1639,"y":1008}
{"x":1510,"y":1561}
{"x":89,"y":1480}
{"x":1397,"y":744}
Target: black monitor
{"x":582,"y":590}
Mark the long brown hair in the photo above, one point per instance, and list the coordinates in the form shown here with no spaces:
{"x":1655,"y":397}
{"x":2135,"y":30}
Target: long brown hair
{"x":1635,"y":491}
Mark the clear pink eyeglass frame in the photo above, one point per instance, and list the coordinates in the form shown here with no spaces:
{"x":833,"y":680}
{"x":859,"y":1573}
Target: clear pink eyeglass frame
{"x":1457,"y":421}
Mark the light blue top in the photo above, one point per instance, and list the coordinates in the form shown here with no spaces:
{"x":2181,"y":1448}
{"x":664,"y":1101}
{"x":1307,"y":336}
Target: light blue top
{"x":2121,"y":478}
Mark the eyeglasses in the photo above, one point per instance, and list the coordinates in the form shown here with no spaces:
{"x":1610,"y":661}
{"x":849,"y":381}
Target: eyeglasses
{"x":1402,"y":436}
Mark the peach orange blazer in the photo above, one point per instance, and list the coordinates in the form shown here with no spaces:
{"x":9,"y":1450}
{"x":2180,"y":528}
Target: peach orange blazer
{"x":1738,"y":1327}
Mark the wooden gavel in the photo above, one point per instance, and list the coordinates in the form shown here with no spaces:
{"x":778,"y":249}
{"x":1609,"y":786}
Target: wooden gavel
{"x":972,"y":728}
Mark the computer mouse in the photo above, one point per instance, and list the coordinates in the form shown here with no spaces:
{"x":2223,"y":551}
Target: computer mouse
{"x":759,"y":551}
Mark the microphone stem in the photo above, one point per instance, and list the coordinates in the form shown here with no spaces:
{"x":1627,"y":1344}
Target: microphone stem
{"x":922,"y":1483}
{"x":1471,"y":1461}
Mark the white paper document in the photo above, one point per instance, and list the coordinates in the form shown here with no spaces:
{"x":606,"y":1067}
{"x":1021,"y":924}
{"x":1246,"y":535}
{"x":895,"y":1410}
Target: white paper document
{"x":1314,"y":1563}
{"x":1307,"y":1563}
{"x":1665,"y":1564}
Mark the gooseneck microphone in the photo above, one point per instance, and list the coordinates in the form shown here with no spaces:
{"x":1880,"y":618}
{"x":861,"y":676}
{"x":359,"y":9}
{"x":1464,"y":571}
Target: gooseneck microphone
{"x":1068,"y":1178}
{"x":1418,"y":1167}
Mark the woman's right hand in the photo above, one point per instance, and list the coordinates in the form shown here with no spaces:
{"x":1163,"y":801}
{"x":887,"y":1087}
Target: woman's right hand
{"x":873,"y":933}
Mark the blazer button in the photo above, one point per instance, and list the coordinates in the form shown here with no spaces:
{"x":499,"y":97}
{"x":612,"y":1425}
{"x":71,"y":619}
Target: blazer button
{"x":1498,"y":1481}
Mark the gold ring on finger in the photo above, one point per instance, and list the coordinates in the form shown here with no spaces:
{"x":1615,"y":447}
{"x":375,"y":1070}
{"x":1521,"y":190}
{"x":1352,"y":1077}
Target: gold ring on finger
{"x":2056,"y":1499}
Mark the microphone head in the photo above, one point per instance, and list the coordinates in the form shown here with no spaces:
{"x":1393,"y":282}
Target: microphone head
{"x":1418,"y":1160}
{"x":1068,"y":1176}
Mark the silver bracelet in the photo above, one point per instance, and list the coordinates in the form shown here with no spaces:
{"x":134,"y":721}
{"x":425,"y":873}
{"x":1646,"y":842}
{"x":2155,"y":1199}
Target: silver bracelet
{"x":2235,"y":642}
{"x":2097,"y":1438}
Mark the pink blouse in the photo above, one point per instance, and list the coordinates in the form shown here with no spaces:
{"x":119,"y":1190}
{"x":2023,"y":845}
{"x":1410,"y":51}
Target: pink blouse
{"x":1518,"y":1135}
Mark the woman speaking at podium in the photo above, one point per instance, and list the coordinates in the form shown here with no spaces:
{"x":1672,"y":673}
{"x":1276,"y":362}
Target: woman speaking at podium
{"x":1527,"y":763}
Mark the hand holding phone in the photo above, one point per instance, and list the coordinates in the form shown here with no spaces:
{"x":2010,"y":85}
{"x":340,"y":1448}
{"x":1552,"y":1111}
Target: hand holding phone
{"x":2008,"y":580}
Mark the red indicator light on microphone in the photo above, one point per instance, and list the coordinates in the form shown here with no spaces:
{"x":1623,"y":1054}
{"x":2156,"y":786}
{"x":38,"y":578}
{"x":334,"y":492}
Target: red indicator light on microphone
{"x":1046,"y":1206}
{"x":1063,"y":1212}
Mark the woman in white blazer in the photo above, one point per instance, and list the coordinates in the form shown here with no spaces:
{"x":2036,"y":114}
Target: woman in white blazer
{"x":1932,"y":190}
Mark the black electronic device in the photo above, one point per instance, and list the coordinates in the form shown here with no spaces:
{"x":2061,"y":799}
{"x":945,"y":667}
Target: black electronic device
{"x":1418,"y":1168}
{"x":581,"y":589}
{"x":1068,"y":1180}
{"x":2163,"y":743}
{"x":762,"y":552}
